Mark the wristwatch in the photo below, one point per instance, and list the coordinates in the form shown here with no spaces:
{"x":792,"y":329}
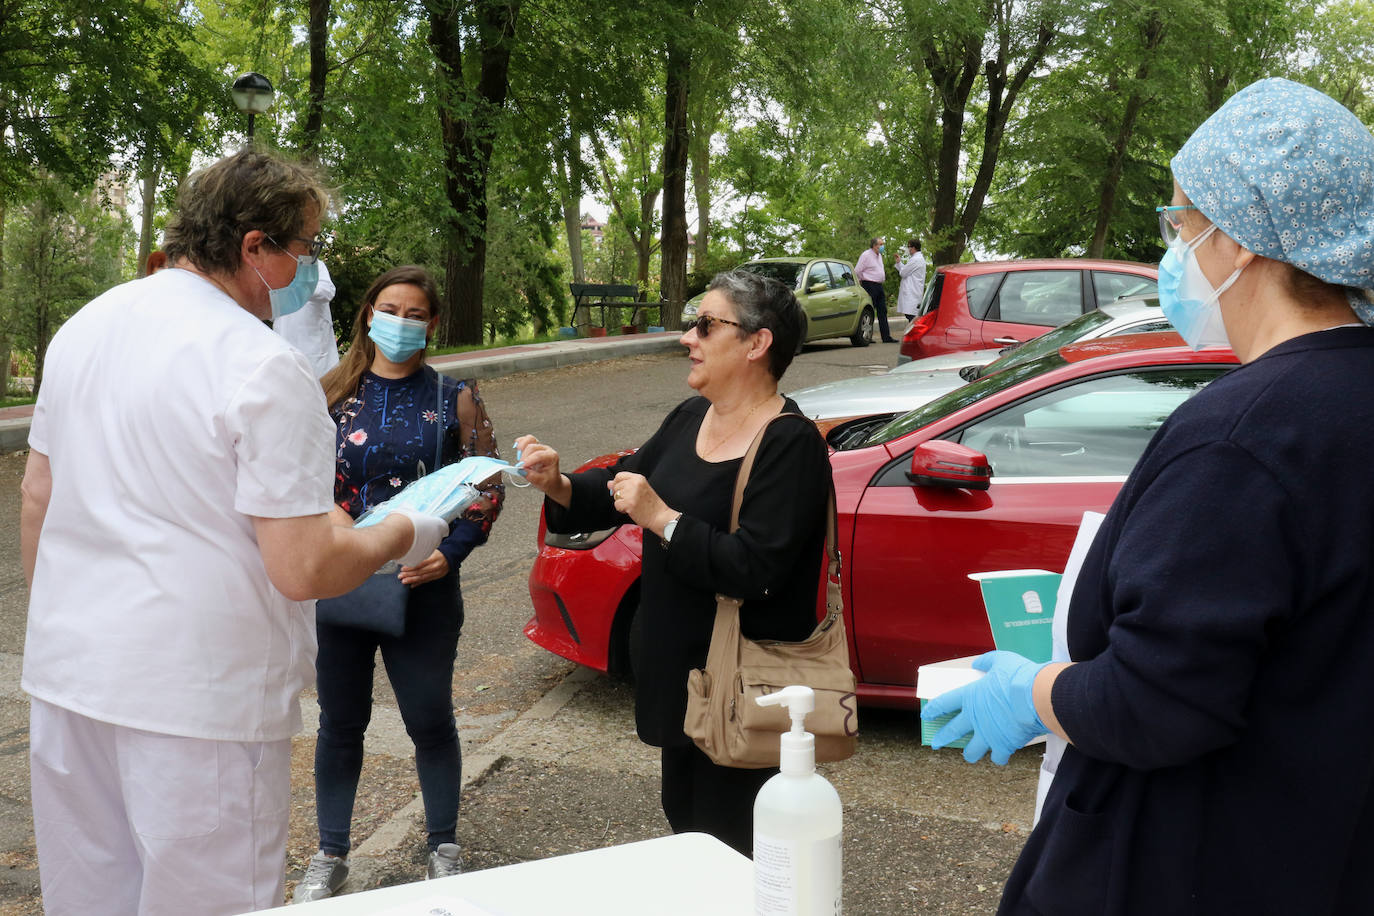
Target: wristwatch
{"x":669,"y":528}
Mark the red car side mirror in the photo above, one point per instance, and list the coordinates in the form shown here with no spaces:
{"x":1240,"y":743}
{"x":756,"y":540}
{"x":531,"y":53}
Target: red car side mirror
{"x":938,"y":463}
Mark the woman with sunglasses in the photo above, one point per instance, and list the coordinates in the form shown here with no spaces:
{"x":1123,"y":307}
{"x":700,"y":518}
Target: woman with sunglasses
{"x":391,"y":411}
{"x":678,"y":487}
{"x":1220,"y":631}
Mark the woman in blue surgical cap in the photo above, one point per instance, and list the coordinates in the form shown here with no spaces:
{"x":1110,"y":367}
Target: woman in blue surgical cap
{"x":1217,"y":708}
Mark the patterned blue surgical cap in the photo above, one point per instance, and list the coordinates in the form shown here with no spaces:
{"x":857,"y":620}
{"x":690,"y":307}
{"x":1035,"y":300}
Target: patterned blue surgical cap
{"x":1288,"y":172}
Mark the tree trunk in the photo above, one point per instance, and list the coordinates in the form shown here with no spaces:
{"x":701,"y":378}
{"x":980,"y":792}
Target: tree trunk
{"x":644,"y":240}
{"x":151,"y":173}
{"x":467,"y":121}
{"x":701,"y":191}
{"x":319,"y":72}
{"x":4,"y":311}
{"x":673,"y":248}
{"x":572,"y":223}
{"x":953,"y":83}
{"x":1116,"y":160}
{"x":571,"y":173}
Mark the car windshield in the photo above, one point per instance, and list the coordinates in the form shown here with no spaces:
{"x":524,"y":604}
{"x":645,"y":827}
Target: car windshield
{"x":957,"y":399}
{"x":1049,"y":342}
{"x":782,"y":271}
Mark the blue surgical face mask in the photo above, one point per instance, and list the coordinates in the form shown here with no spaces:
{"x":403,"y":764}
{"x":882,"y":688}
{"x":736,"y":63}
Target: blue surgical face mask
{"x":882,"y":248}
{"x":293,"y":296}
{"x":398,"y":338}
{"x":1187,"y":297}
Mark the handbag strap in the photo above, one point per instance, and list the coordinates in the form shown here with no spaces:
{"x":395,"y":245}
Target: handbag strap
{"x":834,"y":602}
{"x":439,"y":408}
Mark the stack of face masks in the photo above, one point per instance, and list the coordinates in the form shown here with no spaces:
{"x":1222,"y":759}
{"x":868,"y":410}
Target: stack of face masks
{"x":447,"y":493}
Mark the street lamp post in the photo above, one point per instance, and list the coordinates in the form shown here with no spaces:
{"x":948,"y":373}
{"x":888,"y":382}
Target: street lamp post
{"x":253,"y":95}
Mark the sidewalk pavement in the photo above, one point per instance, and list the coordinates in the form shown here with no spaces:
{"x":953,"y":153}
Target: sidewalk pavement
{"x":479,"y":364}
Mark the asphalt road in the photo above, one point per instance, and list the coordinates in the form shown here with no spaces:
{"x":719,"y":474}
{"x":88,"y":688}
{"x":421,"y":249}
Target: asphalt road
{"x":550,"y":757}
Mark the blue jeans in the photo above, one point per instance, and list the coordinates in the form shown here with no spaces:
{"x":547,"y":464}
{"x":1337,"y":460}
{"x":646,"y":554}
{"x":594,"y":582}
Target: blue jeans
{"x":419,"y":665}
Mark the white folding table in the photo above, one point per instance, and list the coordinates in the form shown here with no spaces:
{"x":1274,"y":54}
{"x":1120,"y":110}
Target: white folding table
{"x":689,"y":874}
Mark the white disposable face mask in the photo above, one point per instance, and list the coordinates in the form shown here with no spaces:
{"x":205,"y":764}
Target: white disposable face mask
{"x":1187,"y":297}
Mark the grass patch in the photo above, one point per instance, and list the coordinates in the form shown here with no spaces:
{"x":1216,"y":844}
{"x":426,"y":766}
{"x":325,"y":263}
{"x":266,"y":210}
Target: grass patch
{"x":17,"y":400}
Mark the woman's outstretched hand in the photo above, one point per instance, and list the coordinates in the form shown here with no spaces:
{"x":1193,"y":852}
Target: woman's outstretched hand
{"x":541,"y":469}
{"x":435,"y":566}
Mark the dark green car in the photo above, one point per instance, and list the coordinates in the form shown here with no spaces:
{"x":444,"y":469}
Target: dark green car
{"x":835,"y":304}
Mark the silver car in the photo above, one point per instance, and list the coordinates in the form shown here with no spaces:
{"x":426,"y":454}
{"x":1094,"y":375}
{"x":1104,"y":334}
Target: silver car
{"x":912,"y":384}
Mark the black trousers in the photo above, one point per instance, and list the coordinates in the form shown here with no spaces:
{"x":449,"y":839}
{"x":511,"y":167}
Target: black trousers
{"x":699,"y":795}
{"x":879,"y":296}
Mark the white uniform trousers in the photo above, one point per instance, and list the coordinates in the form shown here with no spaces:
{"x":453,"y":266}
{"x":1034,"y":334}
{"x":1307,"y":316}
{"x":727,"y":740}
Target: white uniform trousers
{"x":140,"y":823}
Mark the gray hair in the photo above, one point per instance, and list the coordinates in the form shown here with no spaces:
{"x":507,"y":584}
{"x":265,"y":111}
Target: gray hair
{"x":226,"y":200}
{"x":761,"y":302}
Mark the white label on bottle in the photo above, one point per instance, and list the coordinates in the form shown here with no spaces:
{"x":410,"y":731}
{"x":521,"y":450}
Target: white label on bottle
{"x":794,"y":878}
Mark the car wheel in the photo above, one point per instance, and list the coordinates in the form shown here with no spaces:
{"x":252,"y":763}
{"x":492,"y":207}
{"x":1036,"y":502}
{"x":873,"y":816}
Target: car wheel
{"x":863,"y":334}
{"x":618,"y":664}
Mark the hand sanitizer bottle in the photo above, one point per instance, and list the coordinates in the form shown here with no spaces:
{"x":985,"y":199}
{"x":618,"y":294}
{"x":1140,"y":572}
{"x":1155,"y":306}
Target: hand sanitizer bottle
{"x":798,"y":825}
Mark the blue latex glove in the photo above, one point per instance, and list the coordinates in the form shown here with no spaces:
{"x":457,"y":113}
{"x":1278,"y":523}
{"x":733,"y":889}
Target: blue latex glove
{"x":998,"y":708}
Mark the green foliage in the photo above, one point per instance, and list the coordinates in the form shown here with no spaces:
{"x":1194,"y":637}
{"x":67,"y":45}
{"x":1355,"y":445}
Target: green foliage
{"x":62,"y":249}
{"x":813,"y":125}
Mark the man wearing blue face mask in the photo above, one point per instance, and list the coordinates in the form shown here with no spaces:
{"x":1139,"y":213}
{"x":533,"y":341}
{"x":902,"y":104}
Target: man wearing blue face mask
{"x":175,"y":526}
{"x":868,"y":270}
{"x":1222,"y":623}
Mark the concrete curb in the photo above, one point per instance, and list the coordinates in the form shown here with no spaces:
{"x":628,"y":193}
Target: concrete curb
{"x":535,"y":357}
{"x":14,"y":435}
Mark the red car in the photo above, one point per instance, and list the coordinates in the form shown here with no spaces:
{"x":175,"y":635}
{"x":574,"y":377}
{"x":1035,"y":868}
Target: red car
{"x":994,"y":475}
{"x":1003,"y":303}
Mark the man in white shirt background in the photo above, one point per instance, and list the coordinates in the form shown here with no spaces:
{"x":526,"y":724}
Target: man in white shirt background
{"x":311,"y":330}
{"x":870,"y":274}
{"x":913,"y":282}
{"x":175,"y":525}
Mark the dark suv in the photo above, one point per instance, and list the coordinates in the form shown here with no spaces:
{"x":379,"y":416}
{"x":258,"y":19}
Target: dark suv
{"x":989,"y":304}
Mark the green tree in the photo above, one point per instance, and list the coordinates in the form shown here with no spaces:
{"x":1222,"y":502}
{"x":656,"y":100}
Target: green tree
{"x":64,"y":249}
{"x":81,"y":81}
{"x":470,"y":110}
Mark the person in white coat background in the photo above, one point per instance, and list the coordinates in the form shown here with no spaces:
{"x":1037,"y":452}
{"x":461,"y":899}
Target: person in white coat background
{"x":912,"y":270}
{"x":311,"y":330}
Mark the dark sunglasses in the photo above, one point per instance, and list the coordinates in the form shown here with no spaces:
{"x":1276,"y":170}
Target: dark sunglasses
{"x":703,"y":324}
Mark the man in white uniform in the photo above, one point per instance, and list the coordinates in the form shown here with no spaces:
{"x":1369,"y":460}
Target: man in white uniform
{"x":913,"y":283}
{"x":311,"y":330}
{"x":175,"y":524}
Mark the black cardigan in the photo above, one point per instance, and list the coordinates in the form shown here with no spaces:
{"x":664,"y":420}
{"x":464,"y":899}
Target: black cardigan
{"x":1222,"y":758}
{"x":774,"y":561}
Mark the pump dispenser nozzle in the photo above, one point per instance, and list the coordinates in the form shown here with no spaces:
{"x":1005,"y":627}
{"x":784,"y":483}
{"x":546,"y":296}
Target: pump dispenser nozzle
{"x":797,"y":754}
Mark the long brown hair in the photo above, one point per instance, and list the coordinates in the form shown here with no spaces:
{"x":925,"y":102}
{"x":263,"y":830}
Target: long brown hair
{"x":342,"y":381}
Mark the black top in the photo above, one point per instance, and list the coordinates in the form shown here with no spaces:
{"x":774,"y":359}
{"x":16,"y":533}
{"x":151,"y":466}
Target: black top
{"x":774,"y":562}
{"x":1222,"y":759}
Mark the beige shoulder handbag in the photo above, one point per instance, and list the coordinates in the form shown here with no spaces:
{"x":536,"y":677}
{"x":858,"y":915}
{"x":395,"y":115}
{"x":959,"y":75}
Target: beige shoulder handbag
{"x":722,"y":717}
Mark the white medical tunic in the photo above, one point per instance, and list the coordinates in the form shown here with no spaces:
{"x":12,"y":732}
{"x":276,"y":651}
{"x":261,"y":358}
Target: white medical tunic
{"x":170,"y":416}
{"x":311,"y":329}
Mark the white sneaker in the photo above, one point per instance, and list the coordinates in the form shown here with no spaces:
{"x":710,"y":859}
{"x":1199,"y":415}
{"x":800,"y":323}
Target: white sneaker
{"x":445,"y":862}
{"x":323,"y":877}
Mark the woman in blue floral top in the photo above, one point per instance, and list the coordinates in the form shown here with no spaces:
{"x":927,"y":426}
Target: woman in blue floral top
{"x":391,"y":413}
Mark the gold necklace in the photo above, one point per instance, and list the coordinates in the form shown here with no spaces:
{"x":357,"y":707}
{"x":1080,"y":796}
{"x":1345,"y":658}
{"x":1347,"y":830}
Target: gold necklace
{"x":738,"y":426}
